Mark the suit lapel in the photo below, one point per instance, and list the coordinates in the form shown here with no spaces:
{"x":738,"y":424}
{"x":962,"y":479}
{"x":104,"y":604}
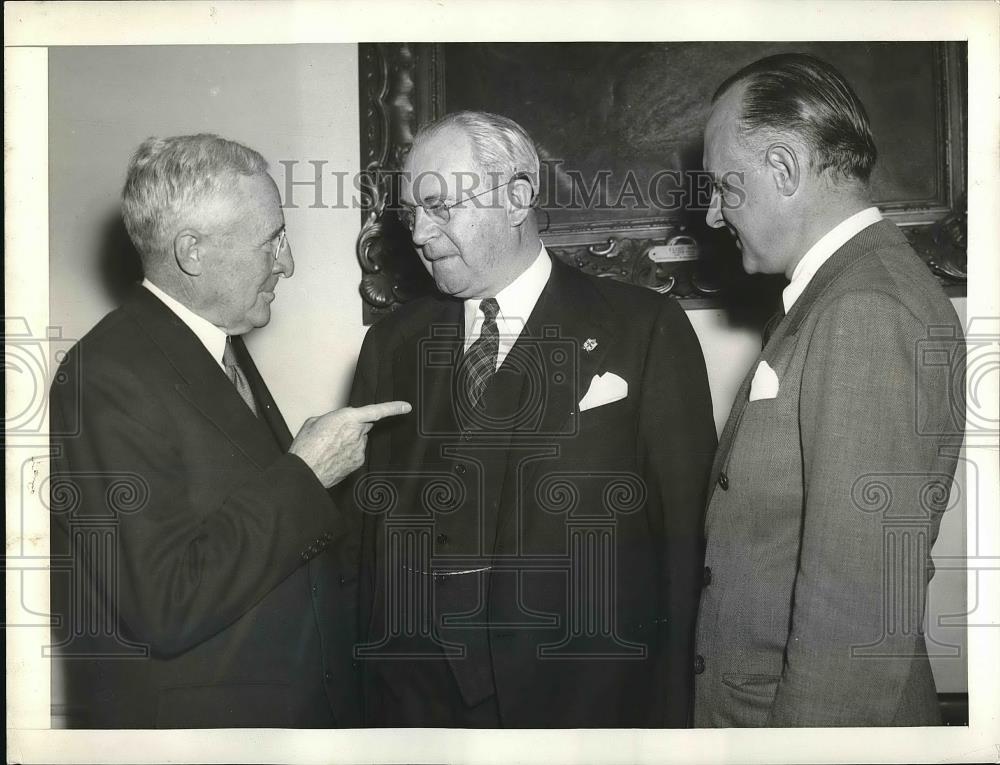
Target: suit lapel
{"x":540,"y":382}
{"x":269,"y":411}
{"x":423,"y":370}
{"x":870,"y":239}
{"x":204,"y":384}
{"x":569,"y":313}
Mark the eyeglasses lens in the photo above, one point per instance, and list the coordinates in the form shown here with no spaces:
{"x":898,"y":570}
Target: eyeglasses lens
{"x":439,"y":214}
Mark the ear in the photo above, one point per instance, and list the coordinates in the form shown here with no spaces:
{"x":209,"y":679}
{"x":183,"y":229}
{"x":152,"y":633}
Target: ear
{"x":785,"y":167}
{"x":189,"y":251}
{"x":520,"y":195}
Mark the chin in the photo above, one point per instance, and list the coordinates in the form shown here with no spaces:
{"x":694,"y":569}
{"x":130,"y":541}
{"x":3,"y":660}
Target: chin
{"x":259,"y":318}
{"x":447,"y":284}
{"x":450,"y":290}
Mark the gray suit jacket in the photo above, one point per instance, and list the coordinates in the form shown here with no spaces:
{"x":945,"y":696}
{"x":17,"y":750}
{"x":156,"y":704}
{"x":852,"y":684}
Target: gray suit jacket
{"x":826,"y":499}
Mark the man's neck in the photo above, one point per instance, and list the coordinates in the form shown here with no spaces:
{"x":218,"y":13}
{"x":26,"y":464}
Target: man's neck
{"x":178,"y":292}
{"x":821,"y":218}
{"x":182,"y":293}
{"x":211,"y":336}
{"x":523,"y":256}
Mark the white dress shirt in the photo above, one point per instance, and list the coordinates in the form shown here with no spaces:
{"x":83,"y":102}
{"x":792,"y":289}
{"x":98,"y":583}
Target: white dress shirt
{"x":820,"y":252}
{"x":213,"y":338}
{"x":516,"y":301}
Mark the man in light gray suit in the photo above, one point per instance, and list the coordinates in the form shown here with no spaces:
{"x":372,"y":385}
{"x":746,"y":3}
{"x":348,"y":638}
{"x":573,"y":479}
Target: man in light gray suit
{"x":837,"y":459}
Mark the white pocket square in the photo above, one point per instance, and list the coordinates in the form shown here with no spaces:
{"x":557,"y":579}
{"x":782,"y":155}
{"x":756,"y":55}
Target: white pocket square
{"x":604,"y":389}
{"x":765,"y":383}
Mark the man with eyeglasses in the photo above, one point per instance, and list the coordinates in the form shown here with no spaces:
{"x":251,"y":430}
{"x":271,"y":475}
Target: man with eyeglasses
{"x":216,"y":598}
{"x":531,"y":545}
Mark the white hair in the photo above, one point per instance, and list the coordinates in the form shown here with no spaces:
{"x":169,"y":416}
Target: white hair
{"x":500,"y":146}
{"x":169,"y":178}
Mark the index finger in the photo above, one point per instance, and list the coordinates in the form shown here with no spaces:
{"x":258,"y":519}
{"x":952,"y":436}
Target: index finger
{"x":376,"y":412}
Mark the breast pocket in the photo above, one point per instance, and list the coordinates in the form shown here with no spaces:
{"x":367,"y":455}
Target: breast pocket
{"x":613,"y":421}
{"x":767,"y":438}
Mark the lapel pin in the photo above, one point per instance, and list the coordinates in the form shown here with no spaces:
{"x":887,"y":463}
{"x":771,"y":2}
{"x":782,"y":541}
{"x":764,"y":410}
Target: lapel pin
{"x":589,"y":344}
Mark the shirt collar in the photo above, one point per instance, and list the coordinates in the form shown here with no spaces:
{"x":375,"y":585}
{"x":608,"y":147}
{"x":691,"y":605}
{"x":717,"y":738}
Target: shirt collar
{"x":213,"y":338}
{"x":820,"y":252}
{"x":517,"y":301}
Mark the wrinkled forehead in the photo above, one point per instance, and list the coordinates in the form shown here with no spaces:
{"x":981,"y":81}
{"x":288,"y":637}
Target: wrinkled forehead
{"x":438,"y":166}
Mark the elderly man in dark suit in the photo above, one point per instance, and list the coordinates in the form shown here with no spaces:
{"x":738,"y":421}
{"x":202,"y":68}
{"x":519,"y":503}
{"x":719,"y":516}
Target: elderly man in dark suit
{"x":834,"y":467}
{"x":204,"y":588}
{"x":531,"y":551}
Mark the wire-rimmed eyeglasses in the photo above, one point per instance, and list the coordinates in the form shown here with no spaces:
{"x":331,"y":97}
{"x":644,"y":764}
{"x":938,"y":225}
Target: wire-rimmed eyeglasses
{"x":282,"y":240}
{"x":441,"y":213}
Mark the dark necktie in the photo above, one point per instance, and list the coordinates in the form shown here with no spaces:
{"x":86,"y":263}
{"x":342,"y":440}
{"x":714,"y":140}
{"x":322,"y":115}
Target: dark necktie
{"x":237,"y":377}
{"x":480,"y":361}
{"x":772,"y":324}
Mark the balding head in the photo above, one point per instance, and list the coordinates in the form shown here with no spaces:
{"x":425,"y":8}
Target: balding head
{"x":797,"y":96}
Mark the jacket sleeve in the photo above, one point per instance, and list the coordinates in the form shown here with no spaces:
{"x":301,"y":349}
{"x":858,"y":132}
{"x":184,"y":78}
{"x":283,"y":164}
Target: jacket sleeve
{"x":363,"y":392}
{"x":844,"y":663}
{"x":677,"y":445}
{"x":191,"y":558}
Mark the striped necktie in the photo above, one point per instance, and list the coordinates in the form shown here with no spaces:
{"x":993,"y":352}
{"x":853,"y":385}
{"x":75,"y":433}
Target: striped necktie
{"x":236,"y":375}
{"x":480,"y":361}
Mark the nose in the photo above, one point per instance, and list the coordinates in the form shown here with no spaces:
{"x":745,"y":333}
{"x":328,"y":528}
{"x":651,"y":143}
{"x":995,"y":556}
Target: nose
{"x":714,"y":215}
{"x":424,"y":228}
{"x":284,"y":264}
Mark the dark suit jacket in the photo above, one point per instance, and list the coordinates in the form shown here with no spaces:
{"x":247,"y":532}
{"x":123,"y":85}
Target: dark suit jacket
{"x":826,"y":500}
{"x":590,"y":520}
{"x":194,"y":566}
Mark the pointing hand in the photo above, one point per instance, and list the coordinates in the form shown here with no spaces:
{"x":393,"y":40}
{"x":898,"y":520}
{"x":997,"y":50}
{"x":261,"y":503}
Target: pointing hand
{"x":333,"y":444}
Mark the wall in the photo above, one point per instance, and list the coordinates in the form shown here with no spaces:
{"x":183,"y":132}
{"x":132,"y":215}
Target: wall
{"x":288,"y":102}
{"x":291,"y":103}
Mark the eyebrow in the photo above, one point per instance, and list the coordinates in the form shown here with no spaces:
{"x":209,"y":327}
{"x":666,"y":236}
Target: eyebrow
{"x":428,"y":201}
{"x":273,"y":234}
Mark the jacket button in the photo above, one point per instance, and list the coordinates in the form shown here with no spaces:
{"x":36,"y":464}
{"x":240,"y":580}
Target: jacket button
{"x":723,"y":482}
{"x":707,"y":578}
{"x":315,"y":589}
{"x":699,"y":664}
{"x":441,"y":539}
{"x":460,"y":469}
{"x":328,"y":675}
{"x":466,"y":435}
